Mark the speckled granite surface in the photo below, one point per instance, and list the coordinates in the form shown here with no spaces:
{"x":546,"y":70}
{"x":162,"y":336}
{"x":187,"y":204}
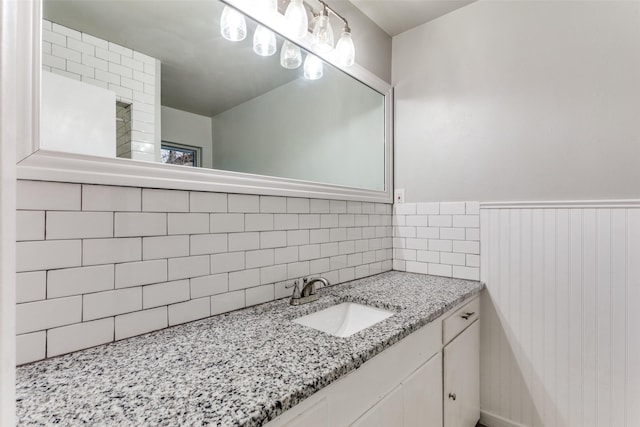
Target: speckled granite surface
{"x":239,"y":369}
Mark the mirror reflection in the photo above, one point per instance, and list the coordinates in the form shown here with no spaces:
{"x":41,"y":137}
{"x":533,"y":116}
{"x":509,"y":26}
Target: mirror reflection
{"x":196,"y":83}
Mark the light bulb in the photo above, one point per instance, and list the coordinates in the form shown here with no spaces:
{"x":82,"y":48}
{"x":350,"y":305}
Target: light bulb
{"x":322,"y":34}
{"x":312,"y":67}
{"x":290,"y":55}
{"x":233,"y":27}
{"x":264,"y":41}
{"x":297,"y":20}
{"x":345,"y":50}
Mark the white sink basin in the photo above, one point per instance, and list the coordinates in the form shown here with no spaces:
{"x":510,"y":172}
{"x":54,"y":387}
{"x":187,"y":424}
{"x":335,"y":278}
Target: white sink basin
{"x":344,"y":319}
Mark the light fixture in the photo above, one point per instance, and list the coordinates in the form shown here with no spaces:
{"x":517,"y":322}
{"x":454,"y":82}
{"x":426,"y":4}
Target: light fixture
{"x":290,"y":55}
{"x":297,"y":20}
{"x":345,"y":49}
{"x":312,"y":67}
{"x":264,"y":41}
{"x":233,"y":26}
{"x":323,"y":33}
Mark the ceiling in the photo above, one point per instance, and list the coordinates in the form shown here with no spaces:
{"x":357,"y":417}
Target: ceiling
{"x":398,"y":16}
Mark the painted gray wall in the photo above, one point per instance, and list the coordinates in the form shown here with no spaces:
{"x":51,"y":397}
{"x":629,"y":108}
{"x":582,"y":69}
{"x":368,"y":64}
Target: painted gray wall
{"x":188,"y":129}
{"x":520,"y":101}
{"x":373,"y":45}
{"x":329,"y":130}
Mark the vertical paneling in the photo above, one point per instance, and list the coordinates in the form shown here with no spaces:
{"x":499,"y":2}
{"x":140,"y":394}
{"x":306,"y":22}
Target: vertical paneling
{"x":561,"y":335}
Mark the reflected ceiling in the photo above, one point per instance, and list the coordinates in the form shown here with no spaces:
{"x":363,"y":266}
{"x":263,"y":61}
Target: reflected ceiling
{"x":201,"y":72}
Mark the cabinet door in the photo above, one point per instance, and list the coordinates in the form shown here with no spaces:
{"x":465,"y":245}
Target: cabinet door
{"x":462,"y":379}
{"x":422,"y":395}
{"x":386,"y":413}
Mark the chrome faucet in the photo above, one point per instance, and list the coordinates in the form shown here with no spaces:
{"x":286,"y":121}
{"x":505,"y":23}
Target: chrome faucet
{"x":308,"y":293}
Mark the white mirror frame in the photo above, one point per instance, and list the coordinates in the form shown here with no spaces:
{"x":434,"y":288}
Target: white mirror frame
{"x":44,"y":165}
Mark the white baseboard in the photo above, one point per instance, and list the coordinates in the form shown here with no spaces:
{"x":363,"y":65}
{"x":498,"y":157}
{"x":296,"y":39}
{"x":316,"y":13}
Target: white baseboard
{"x":492,"y":420}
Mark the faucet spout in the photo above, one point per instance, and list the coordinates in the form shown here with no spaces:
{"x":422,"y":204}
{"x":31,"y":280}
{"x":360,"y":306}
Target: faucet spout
{"x":309,"y":287}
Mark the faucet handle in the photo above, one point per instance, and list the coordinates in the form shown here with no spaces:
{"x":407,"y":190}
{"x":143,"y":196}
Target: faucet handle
{"x":296,"y":290}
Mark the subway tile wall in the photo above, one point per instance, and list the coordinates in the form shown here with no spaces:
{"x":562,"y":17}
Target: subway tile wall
{"x":130,"y":74}
{"x":102,"y":263}
{"x":442,"y":239}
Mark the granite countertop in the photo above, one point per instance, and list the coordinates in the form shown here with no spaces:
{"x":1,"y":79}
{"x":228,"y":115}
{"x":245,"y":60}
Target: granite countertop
{"x":240,"y":369}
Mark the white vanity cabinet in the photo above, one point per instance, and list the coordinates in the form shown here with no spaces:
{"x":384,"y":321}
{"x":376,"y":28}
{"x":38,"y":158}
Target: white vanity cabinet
{"x":462,"y":367}
{"x":407,"y":384}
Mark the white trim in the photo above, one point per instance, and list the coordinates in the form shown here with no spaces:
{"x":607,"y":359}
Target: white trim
{"x":566,"y":204}
{"x":66,"y":167}
{"x":491,"y":420}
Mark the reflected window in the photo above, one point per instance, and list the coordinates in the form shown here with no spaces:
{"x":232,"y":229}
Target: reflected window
{"x":179,"y":154}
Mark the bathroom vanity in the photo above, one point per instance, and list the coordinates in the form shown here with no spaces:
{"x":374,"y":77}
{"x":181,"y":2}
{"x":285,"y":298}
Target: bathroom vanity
{"x":257,"y":367}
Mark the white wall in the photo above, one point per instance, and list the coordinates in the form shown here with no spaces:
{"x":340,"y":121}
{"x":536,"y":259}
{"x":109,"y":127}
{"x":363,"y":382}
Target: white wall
{"x":188,"y":129}
{"x":560,"y":342}
{"x":520,"y":100}
{"x":329,"y":130}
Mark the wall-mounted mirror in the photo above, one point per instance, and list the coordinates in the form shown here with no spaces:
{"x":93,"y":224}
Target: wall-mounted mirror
{"x":156,"y":81}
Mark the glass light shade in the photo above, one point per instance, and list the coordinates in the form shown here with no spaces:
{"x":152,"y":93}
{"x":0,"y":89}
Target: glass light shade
{"x":345,"y":50}
{"x":322,"y":35}
{"x":233,"y":26}
{"x":264,"y":41}
{"x":290,"y":55}
{"x":312,"y":67}
{"x":297,"y":20}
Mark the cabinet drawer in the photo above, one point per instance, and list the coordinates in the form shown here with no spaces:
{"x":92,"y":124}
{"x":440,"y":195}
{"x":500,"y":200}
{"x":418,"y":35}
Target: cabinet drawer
{"x":458,"y":321}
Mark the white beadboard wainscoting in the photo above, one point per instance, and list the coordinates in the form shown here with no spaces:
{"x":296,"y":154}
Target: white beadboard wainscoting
{"x":560,"y":342}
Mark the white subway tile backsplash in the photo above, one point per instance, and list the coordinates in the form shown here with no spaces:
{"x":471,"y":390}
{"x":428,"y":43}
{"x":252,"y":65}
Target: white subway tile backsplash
{"x":337,"y":206}
{"x":296,"y":205}
{"x":208,"y":244}
{"x":29,"y":225}
{"x":285,"y":221}
{"x":40,"y":315}
{"x":243,"y":203}
{"x":473,"y":260}
{"x":189,"y":311}
{"x":346,"y":220}
{"x":31,"y":286}
{"x":417,"y":220}
{"x":209,"y":285}
{"x":428,"y":208}
{"x":346,"y":247}
{"x":452,"y":258}
{"x":226,"y":223}
{"x":473,"y":234}
{"x":467,"y":247}
{"x":337,"y":234}
{"x":70,"y":33}
{"x":222,"y":263}
{"x":405,"y":209}
{"x":95,"y":41}
{"x":297,"y":269}
{"x":427,"y":232}
{"x":165,"y":247}
{"x":140,"y":322}
{"x":469,"y":273}
{"x":259,"y":295}
{"x":106,"y":251}
{"x":259,"y":258}
{"x":272,"y":274}
{"x":79,"y":336}
{"x":452,"y":208}
{"x":472,"y":221}
{"x":244,"y":279}
{"x":271,"y":204}
{"x":129,"y":224}
{"x":31,"y":347}
{"x":273,"y":239}
{"x":452,"y":233}
{"x":322,"y":235}
{"x":258,"y":222}
{"x":45,"y":255}
{"x":244,"y":241}
{"x":165,"y":293}
{"x":110,"y":303}
{"x":47,"y":196}
{"x":354,"y":207}
{"x":165,"y":200}
{"x":229,"y":301}
{"x":440,"y":220}
{"x":440,"y":270}
{"x":440,"y":245}
{"x":140,"y":273}
{"x":52,"y":37}
{"x":186,"y":267}
{"x":308,"y":252}
{"x":65,"y":53}
{"x":188,"y":223}
{"x":411,"y":243}
{"x":329,"y":220}
{"x":78,"y":225}
{"x":208,"y":202}
{"x":347,"y":274}
{"x":319,"y":206}
{"x":82,"y":280}
{"x":297,"y":237}
{"x":309,"y":221}
{"x":329,"y":249}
